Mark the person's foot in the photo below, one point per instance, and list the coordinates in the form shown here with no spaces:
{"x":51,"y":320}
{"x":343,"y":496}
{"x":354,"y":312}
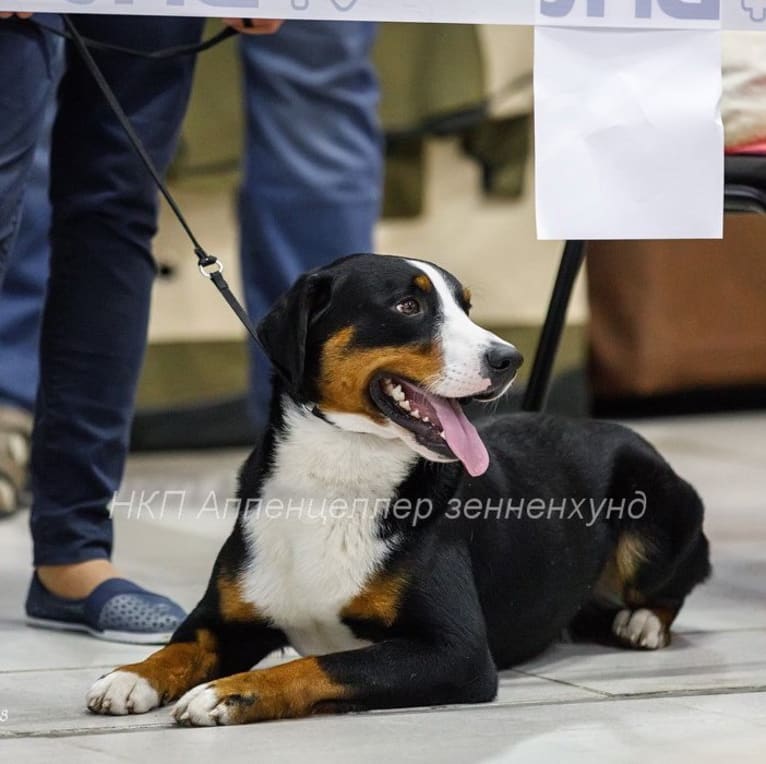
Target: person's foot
{"x":15,"y":434}
{"x":78,"y":580}
{"x":90,"y":597}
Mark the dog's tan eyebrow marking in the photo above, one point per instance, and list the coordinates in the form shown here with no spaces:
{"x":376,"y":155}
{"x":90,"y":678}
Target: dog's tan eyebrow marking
{"x":467,"y":296}
{"x":423,"y":282}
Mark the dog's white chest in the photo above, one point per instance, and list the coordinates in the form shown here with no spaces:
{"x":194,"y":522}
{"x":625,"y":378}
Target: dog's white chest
{"x":315,"y":537}
{"x":307,"y":570}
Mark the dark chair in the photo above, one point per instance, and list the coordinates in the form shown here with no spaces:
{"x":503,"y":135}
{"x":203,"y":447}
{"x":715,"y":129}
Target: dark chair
{"x":744,"y":191}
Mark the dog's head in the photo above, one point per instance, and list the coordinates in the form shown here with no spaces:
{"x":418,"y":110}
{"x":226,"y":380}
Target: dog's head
{"x":384,"y":345}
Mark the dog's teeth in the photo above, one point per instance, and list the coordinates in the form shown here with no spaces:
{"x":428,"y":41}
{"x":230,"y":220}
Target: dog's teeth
{"x":398,"y":394}
{"x":442,"y":434}
{"x":405,"y":404}
{"x":416,"y":413}
{"x":426,"y":420}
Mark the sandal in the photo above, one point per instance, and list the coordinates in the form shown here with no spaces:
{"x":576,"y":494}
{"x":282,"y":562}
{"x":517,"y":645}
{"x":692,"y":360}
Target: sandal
{"x":15,"y":435}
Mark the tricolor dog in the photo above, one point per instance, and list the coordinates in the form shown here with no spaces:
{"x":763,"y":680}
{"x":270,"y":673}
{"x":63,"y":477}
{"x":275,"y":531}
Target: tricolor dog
{"x":392,"y":543}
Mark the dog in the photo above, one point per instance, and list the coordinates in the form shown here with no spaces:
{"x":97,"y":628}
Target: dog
{"x":405,"y":553}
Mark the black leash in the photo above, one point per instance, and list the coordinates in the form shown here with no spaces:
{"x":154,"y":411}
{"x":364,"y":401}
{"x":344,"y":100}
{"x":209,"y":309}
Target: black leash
{"x":152,"y":55}
{"x":210,"y":267}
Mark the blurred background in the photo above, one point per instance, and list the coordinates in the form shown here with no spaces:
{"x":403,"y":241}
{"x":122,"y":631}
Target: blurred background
{"x":660,"y":327}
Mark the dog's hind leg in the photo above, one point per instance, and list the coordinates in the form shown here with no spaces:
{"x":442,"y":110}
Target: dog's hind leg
{"x":658,"y":559}
{"x":654,"y":596}
{"x":622,"y":612}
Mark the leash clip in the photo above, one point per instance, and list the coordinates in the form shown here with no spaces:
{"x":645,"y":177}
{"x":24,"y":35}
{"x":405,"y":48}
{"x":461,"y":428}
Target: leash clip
{"x":209,"y":266}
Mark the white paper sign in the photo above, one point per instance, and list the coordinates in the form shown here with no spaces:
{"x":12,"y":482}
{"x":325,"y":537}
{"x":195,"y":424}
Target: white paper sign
{"x":629,"y":141}
{"x":652,"y":14}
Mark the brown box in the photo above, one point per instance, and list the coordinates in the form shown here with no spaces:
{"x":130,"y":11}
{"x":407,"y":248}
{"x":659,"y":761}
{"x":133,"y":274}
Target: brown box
{"x":669,"y":316}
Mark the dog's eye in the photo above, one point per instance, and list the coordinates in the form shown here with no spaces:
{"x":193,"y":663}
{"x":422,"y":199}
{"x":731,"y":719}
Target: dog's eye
{"x":409,"y":306}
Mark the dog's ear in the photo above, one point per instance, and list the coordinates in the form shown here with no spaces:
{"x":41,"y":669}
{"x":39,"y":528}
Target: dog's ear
{"x":284,"y":330}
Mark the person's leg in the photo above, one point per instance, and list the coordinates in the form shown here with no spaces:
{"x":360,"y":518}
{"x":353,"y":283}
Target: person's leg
{"x":23,"y":291}
{"x":313,"y":167}
{"x":29,"y":57}
{"x":29,"y":75}
{"x":95,"y":319}
{"x":21,"y":307}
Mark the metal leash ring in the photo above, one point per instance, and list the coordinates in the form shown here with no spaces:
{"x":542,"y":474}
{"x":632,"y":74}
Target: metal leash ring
{"x":210,"y":268}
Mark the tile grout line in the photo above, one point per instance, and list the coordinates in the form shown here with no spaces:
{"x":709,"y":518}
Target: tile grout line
{"x":564,"y":683}
{"x":598,"y":698}
{"x":8,"y":672}
{"x":691,"y":693}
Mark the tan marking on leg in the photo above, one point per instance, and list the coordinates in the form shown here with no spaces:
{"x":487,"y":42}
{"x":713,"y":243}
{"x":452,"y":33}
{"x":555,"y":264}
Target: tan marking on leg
{"x":630,"y":554}
{"x":613,"y":585}
{"x":346,"y":372}
{"x":294,"y":689}
{"x":378,"y":601}
{"x":423,"y":283}
{"x":179,"y":666}
{"x":232,"y":605}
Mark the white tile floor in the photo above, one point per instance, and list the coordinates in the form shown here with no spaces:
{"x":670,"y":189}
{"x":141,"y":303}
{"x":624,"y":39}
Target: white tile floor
{"x":702,"y":699}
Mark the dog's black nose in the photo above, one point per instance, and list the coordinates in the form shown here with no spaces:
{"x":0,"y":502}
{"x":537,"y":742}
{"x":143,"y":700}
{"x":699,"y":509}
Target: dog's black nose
{"x":503,"y":359}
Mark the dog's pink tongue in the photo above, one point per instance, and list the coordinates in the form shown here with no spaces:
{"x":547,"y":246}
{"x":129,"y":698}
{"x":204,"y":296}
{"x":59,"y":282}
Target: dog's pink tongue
{"x":461,"y":436}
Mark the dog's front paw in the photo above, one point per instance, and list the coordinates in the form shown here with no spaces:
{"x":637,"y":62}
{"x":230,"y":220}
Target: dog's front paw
{"x":122,"y":692}
{"x":205,"y":706}
{"x":640,"y":629}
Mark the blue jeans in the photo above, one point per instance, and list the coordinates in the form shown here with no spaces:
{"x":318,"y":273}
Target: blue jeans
{"x":29,"y":71}
{"x":104,"y":209}
{"x":313,"y":163}
{"x":311,"y":191}
{"x":23,"y":292}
